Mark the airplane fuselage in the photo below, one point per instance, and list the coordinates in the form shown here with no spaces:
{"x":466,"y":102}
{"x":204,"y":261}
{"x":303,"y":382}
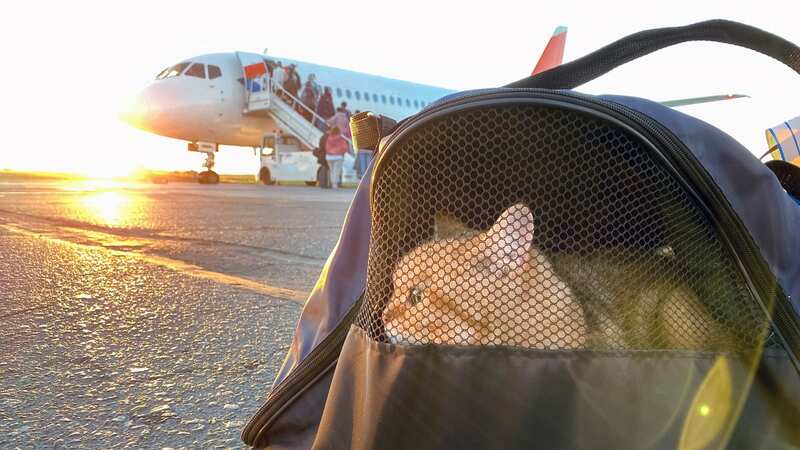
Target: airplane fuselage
{"x":202,"y":108}
{"x":209,"y":101}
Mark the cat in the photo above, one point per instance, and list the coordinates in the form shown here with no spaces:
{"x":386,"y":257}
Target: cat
{"x":496,"y":287}
{"x":483,"y":288}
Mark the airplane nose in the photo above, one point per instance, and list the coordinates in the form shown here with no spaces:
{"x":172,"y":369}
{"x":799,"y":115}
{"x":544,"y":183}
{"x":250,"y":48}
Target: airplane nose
{"x":137,"y":111}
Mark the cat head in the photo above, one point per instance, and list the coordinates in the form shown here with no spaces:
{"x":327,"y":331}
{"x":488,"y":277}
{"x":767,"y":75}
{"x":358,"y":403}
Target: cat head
{"x":434,"y":297}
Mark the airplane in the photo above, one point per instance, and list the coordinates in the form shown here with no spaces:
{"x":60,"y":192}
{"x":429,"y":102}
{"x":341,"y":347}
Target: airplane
{"x":230,"y":99}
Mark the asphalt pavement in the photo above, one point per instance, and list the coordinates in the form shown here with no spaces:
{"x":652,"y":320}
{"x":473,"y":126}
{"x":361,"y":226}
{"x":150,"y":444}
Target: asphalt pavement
{"x":150,"y":316}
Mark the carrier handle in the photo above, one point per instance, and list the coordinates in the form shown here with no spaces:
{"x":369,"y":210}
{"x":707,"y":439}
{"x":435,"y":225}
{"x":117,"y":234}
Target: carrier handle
{"x":602,"y":61}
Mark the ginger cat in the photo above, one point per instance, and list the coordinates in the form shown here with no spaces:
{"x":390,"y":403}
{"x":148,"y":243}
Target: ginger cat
{"x":489,"y":288}
{"x":496,"y":288}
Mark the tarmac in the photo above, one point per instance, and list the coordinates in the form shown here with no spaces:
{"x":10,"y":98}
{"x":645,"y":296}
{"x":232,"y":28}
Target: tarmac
{"x":150,"y":316}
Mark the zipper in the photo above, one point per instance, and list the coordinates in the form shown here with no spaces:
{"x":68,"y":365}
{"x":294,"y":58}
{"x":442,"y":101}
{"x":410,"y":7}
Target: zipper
{"x":319,"y":361}
{"x":678,"y":159}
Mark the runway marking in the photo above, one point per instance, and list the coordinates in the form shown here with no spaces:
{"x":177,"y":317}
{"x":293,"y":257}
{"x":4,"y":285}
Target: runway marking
{"x":231,"y":280}
{"x":174,"y":264}
{"x":126,"y":239}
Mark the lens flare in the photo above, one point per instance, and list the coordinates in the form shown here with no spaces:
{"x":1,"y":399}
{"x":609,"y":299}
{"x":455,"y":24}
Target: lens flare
{"x":706,"y":424}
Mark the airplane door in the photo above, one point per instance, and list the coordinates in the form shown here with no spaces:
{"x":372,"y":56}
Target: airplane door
{"x":217,"y":92}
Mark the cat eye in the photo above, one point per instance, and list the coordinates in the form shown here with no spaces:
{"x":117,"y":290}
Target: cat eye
{"x":415,"y":296}
{"x":665,"y":251}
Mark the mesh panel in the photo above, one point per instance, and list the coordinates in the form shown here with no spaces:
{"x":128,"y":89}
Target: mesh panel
{"x":560,"y":231}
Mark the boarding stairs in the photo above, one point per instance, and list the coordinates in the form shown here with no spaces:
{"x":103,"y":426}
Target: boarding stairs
{"x":265,"y":98}
{"x":274,"y":101}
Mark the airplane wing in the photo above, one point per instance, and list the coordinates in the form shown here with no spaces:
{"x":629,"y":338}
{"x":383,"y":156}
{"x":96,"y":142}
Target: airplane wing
{"x":697,"y":100}
{"x":553,"y":52}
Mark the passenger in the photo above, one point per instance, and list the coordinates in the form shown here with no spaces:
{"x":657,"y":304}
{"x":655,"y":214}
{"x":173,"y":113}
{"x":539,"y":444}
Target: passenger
{"x":292,"y":83}
{"x":278,"y":77}
{"x":323,"y":174}
{"x":309,"y":99}
{"x":335,"y":148}
{"x":295,"y":76}
{"x":341,"y":121}
{"x":325,"y":107}
{"x":343,"y":108}
{"x":363,"y":160}
{"x":315,"y":86}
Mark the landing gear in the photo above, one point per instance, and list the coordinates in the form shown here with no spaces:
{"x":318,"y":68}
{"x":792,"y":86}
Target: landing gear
{"x":264,"y":176}
{"x":208,"y":176}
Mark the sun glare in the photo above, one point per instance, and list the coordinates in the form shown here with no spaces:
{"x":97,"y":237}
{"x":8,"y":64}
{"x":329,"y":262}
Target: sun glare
{"x":109,"y":208}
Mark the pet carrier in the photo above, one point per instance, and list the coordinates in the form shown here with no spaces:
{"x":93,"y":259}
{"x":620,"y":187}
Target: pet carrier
{"x":549,"y":269}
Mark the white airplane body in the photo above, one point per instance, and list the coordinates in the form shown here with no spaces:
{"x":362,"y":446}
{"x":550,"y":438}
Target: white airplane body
{"x":210,"y":110}
{"x":213,"y":100}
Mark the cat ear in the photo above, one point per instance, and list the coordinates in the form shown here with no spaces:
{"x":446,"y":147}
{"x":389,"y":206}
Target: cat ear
{"x":446,"y":226}
{"x":510,"y":238}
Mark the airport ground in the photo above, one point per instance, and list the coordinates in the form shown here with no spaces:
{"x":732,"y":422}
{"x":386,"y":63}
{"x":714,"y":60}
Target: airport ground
{"x":150,"y":316}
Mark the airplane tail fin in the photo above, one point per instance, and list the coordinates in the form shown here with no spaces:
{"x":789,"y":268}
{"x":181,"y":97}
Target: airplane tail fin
{"x":553,"y":53}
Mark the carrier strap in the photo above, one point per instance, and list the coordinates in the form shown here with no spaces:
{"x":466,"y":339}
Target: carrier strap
{"x":788,"y":174}
{"x":602,"y":61}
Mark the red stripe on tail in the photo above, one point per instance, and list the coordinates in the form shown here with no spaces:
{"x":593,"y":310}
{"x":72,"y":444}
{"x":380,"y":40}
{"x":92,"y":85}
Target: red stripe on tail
{"x":553,"y":53}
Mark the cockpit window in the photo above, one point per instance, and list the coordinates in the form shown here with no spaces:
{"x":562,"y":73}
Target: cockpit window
{"x":173,"y":71}
{"x":162,"y":73}
{"x":214,"y":72}
{"x":196,"y":70}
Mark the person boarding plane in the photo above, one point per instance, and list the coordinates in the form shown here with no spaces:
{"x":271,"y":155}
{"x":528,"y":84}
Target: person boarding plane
{"x":237,"y":99}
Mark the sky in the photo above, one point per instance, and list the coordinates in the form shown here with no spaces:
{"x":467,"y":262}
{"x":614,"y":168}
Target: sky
{"x":71,"y":67}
